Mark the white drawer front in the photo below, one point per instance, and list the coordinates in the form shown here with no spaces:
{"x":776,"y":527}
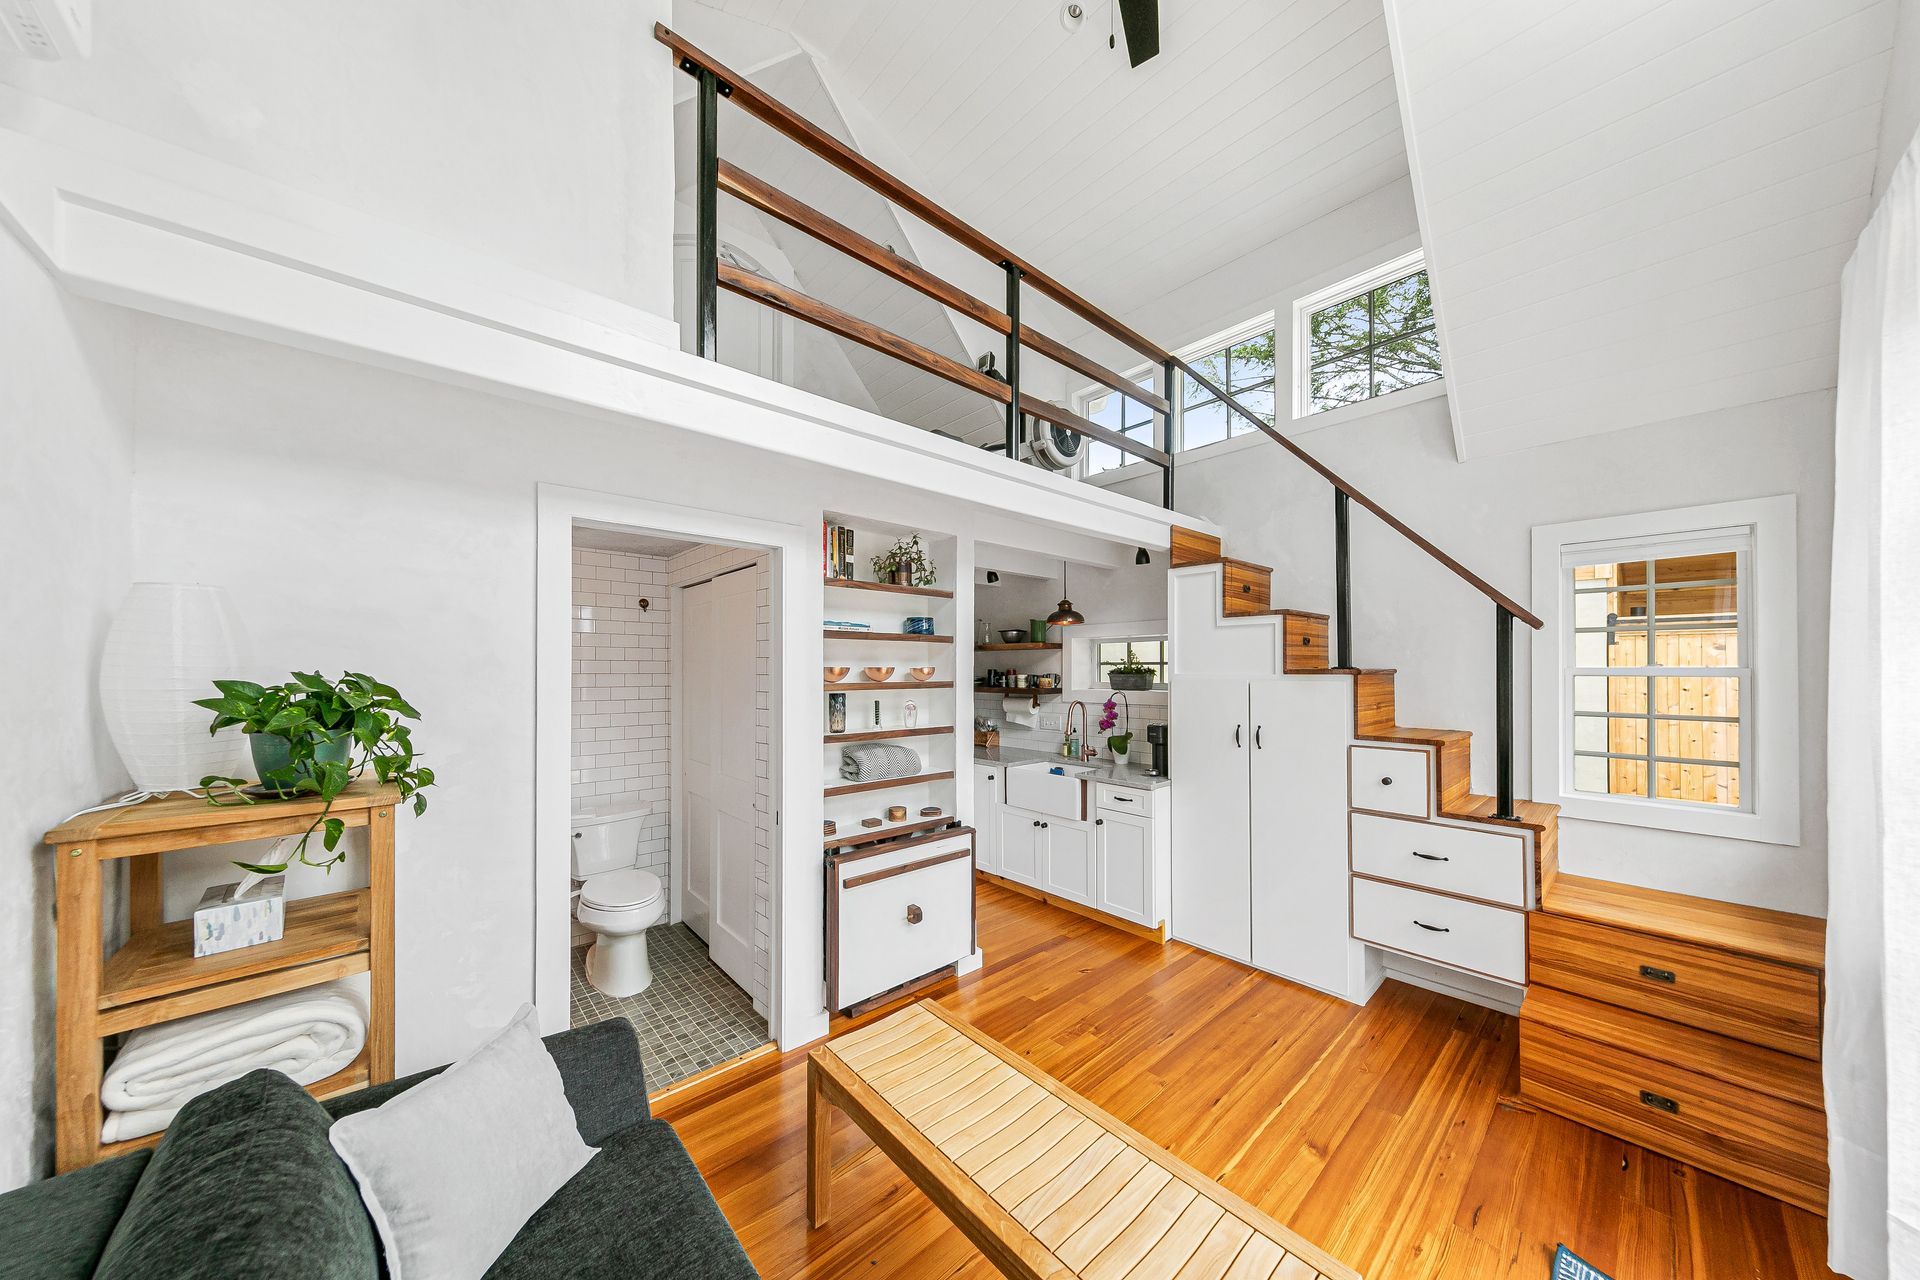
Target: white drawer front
{"x":878,"y":941}
{"x":1124,"y":799}
{"x":1465,"y":935}
{"x":1389,"y":780}
{"x":1477,"y":864}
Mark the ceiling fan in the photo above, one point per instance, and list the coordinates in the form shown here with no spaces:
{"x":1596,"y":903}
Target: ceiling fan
{"x":1140,"y":19}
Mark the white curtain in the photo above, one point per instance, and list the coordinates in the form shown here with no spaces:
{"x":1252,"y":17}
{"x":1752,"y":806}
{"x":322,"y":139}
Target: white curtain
{"x":1872,"y":1050}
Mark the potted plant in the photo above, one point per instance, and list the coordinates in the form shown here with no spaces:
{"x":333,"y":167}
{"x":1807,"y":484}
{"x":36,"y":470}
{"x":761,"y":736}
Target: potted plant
{"x":905,"y":564}
{"x":1117,"y":743}
{"x":1133,"y":674}
{"x":305,"y":735}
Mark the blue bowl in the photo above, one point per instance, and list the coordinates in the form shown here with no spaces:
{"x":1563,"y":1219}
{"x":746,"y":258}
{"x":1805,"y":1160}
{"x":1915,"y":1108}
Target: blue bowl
{"x":919,"y":626}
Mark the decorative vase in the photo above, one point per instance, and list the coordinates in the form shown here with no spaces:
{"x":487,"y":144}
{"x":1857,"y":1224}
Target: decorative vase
{"x":273,"y":754}
{"x":903,"y":575}
{"x":1118,"y":746}
{"x":836,"y":713}
{"x":168,"y":643}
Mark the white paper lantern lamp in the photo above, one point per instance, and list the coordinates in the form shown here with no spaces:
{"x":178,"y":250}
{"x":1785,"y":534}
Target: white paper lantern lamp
{"x":167,"y":645}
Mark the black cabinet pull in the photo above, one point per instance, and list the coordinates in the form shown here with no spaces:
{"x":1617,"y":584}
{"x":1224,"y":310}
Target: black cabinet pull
{"x":1236,"y":735}
{"x":914,"y":914}
{"x":1431,"y":857}
{"x":1036,"y":822}
{"x":1386,"y":782}
{"x":1659,"y":1103}
{"x":1256,"y":737}
{"x":1658,"y":975}
{"x":1044,"y":825}
{"x":1433,"y":928}
{"x":1099,"y":822}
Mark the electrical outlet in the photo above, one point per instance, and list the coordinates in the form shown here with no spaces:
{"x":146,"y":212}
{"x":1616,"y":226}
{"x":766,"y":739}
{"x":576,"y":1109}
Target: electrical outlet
{"x":1053,"y":721}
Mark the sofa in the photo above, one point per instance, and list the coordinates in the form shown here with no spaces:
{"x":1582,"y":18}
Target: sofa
{"x":238,"y":1185}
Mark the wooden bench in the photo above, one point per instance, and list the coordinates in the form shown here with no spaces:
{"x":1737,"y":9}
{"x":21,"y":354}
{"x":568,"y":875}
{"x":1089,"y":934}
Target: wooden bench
{"x":1045,"y":1183}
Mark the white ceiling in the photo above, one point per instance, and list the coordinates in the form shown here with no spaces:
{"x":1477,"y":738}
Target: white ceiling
{"x":593,"y":537}
{"x":1637,"y":210}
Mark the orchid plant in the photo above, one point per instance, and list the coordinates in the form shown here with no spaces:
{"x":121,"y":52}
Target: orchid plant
{"x":1118,"y":743}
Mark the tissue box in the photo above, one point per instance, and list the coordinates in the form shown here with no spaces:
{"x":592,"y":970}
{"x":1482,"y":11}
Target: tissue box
{"x":225,"y":922}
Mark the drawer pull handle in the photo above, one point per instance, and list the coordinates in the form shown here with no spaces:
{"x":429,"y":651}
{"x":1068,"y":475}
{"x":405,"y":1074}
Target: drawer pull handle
{"x":1658,"y":975}
{"x":1431,"y":857}
{"x":1659,"y":1103}
{"x":1256,"y":737}
{"x":914,"y":914}
{"x":1433,"y":928}
{"x":1386,"y":782}
{"x":1236,"y":735}
{"x":1124,"y":799}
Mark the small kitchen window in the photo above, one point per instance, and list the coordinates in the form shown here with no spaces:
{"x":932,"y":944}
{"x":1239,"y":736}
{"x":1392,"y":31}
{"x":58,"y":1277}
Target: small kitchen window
{"x":1152,"y":650}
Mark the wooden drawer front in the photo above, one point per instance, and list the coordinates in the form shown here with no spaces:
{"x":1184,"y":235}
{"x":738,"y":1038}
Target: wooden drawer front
{"x":1749,"y":1137}
{"x":1753,"y":1000}
{"x":1125,"y":800}
{"x":1247,"y":589}
{"x":1305,"y":639}
{"x":1389,"y":780}
{"x":1488,"y":865}
{"x":1450,"y":931}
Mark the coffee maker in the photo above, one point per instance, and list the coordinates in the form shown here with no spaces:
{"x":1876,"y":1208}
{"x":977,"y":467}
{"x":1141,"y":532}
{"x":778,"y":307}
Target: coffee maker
{"x":1157,"y":739}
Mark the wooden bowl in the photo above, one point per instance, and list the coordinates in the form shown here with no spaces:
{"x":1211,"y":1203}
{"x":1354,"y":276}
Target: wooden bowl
{"x":877,"y":674}
{"x":835,"y":675}
{"x":921,"y":674}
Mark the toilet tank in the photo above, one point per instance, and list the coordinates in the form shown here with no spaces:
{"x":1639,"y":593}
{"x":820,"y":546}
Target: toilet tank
{"x":606,"y":839}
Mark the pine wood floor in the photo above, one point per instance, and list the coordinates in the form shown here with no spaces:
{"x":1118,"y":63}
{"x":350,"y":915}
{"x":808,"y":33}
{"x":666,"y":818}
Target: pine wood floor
{"x":1385,"y":1134}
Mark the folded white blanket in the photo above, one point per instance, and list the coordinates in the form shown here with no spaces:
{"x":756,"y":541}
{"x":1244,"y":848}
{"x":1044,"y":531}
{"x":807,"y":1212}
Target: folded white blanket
{"x":307,"y":1034}
{"x":878,"y":763}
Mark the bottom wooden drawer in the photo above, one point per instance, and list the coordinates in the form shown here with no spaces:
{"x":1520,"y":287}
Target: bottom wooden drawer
{"x":1451,"y":931}
{"x":897,"y":915}
{"x":1744,"y":1135}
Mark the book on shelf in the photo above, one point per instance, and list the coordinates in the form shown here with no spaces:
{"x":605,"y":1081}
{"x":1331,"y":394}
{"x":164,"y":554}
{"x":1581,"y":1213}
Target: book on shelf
{"x":836,"y":551}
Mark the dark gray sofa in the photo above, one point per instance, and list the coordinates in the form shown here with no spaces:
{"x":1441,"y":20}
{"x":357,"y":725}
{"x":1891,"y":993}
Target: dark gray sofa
{"x":248,"y":1165}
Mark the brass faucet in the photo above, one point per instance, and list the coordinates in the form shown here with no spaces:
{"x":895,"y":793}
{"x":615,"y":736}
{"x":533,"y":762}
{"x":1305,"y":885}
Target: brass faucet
{"x":1087,"y":749}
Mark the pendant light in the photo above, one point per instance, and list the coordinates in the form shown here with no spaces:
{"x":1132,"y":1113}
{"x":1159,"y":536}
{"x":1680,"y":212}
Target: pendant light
{"x":1066,"y":615}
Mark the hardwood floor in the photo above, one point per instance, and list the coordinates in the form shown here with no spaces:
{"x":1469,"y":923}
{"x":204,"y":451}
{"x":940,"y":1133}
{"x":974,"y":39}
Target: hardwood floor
{"x":1386,"y":1134}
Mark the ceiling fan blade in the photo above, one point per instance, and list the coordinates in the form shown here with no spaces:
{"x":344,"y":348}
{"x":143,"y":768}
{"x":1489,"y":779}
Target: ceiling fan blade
{"x":1140,"y":19}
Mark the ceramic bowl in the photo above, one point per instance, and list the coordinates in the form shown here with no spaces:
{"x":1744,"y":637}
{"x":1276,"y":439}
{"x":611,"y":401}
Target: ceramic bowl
{"x":1013,"y":635}
{"x":877,"y":674}
{"x":921,"y":674}
{"x":835,"y":674}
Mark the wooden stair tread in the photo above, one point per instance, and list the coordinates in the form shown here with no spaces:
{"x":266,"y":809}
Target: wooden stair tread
{"x":1295,"y":613}
{"x":1232,"y":560}
{"x":1780,"y":936}
{"x":1528,"y":813}
{"x":1413,"y":733}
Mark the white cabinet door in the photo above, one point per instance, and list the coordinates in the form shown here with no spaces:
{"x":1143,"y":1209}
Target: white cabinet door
{"x":1123,"y":867}
{"x":986,"y":817}
{"x":1210,"y":858}
{"x":1068,"y":866}
{"x":1021,"y":845}
{"x":1298,"y":786}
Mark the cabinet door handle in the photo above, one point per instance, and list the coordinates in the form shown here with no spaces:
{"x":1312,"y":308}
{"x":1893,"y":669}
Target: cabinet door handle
{"x":1431,"y":857}
{"x":1386,"y":782}
{"x":1256,"y":737}
{"x":1099,"y":822}
{"x":1659,"y":1103}
{"x":1045,"y":825}
{"x":914,"y":915}
{"x":1433,"y":928}
{"x":1122,"y":799}
{"x":1658,"y":975}
{"x":1236,"y":735}
{"x":1036,"y":822}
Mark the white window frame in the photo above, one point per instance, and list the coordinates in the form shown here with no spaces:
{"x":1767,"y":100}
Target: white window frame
{"x":1082,"y":670}
{"x":1769,"y":811}
{"x":1130,"y":638}
{"x":1341,"y":291}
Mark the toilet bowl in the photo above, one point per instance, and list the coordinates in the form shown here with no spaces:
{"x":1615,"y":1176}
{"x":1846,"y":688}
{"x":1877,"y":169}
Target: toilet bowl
{"x":617,"y":900}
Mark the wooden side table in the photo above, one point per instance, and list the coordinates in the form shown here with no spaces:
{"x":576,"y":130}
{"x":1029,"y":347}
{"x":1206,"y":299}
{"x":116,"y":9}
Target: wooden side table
{"x":155,"y":977}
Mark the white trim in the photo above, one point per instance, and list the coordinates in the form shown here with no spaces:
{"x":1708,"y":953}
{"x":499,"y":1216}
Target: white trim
{"x":1341,"y":291}
{"x":1769,"y":698}
{"x":1080,"y":671}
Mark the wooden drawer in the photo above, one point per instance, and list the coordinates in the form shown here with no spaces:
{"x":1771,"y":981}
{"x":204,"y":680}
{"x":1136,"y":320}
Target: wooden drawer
{"x":1140,"y":803}
{"x":1452,"y":931}
{"x":897,"y":914}
{"x":1751,"y":999}
{"x":1389,"y":780}
{"x":1488,"y":865}
{"x":1246,"y":590}
{"x":1742,"y":1134}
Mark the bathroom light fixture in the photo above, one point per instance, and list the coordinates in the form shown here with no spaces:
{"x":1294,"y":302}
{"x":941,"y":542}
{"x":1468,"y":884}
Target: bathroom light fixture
{"x":1140,"y":556}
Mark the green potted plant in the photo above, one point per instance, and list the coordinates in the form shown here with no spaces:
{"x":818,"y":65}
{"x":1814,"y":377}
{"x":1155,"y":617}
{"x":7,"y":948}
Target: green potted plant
{"x":905,"y":564}
{"x":312,"y":736}
{"x":1133,"y":674}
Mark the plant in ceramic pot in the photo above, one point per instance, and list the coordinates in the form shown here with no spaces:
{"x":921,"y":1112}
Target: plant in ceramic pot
{"x":312,"y":736}
{"x":1133,"y":674}
{"x":906,"y":564}
{"x":1117,"y":743}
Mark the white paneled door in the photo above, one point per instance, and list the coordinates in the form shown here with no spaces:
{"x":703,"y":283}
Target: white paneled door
{"x":1212,"y":821}
{"x":717,"y":652}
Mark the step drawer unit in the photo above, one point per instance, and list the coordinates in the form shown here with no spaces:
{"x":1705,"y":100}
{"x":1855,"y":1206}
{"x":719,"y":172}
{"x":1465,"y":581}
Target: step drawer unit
{"x":1470,"y":936}
{"x":1493,"y":866}
{"x":1390,"y":780}
{"x":898,"y":913}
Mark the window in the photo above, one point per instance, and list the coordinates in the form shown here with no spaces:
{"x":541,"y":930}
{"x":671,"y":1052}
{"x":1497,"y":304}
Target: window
{"x":1365,"y":337}
{"x":1151,"y":650}
{"x":1128,"y":417}
{"x":1243,"y":365}
{"x":1657,"y":656}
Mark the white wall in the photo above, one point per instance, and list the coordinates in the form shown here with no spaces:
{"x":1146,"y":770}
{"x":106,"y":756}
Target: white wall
{"x":1900,"y":112}
{"x":66,"y":424}
{"x":540,"y":134}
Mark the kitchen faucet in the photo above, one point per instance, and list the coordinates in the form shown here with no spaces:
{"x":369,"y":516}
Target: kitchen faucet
{"x":1087,"y":749}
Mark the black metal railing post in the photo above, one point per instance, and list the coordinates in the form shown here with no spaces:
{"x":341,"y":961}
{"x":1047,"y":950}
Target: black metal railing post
{"x":1503,"y":712}
{"x":1166,"y":434}
{"x":706,"y":303}
{"x":1342,"y":584}
{"x":1013,"y":360}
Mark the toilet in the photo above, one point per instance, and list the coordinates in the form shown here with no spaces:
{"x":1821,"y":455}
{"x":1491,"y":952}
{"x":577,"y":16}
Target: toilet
{"x":617,"y":900}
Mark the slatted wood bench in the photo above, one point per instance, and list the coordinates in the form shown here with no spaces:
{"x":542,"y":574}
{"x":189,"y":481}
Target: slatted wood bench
{"x":1045,"y":1183}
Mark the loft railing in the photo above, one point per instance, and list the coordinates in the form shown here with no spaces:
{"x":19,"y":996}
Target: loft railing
{"x":714,"y":175}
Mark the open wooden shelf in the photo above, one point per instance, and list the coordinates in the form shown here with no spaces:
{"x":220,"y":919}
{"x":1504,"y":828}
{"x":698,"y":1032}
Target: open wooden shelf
{"x":854,"y":788}
{"x":851,"y":584}
{"x":355,"y":1075}
{"x":889,"y":684}
{"x":887,"y":635}
{"x":1008,"y":648}
{"x":880,"y":735}
{"x":871,"y":835}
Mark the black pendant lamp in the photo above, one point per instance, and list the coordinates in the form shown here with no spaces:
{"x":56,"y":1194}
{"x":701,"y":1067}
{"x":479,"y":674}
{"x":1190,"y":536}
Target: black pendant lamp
{"x":1066,"y":615}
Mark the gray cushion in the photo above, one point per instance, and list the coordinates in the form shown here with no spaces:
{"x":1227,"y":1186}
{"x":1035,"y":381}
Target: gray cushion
{"x":56,"y":1229}
{"x":245,"y":1184}
{"x":638,"y":1209}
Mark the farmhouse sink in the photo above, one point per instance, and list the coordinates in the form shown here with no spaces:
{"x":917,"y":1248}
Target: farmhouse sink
{"x":1058,"y":790}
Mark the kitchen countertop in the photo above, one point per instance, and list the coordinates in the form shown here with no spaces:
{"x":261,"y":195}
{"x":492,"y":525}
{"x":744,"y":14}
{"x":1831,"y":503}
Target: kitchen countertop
{"x":1133,"y":776}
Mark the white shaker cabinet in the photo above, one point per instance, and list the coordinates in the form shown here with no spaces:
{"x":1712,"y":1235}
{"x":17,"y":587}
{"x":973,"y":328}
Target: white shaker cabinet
{"x":1068,"y":861}
{"x":1212,"y":824}
{"x":1123,"y":852}
{"x":987,"y":790}
{"x":1021,"y":845}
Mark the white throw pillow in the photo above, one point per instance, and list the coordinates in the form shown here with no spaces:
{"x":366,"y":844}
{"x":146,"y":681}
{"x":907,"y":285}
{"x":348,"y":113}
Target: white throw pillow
{"x":453,"y":1168}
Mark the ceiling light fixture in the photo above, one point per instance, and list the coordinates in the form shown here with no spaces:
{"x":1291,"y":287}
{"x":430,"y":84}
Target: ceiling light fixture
{"x":1140,"y":556}
{"x":1071,"y":16}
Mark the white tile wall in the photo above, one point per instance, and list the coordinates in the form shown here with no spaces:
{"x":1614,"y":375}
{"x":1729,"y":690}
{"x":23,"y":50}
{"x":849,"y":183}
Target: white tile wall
{"x":1139,"y":710}
{"x":697,"y":565}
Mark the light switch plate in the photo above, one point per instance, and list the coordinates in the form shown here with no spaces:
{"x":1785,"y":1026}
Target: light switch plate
{"x":1053,"y":721}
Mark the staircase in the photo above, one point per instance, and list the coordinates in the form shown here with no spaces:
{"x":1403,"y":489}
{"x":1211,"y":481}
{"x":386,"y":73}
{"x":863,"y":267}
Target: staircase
{"x":1247,"y":592}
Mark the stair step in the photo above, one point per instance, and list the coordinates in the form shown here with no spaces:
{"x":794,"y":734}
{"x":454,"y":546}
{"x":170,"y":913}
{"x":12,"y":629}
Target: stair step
{"x":1189,"y":546}
{"x":1246,"y":589}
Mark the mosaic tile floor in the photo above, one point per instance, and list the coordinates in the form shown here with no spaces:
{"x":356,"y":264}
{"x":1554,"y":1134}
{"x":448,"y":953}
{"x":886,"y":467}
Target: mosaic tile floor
{"x":691,"y":1017}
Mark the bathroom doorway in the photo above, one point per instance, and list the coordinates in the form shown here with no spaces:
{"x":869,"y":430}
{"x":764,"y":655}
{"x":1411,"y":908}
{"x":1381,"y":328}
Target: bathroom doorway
{"x":671,"y":783}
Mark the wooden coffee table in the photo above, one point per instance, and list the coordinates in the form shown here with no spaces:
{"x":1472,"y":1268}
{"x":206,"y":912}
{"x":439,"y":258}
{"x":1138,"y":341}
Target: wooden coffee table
{"x":1043,"y":1181}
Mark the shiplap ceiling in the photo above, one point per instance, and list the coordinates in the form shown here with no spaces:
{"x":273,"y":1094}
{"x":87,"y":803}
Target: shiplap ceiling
{"x":1257,"y":117}
{"x":1637,"y":210}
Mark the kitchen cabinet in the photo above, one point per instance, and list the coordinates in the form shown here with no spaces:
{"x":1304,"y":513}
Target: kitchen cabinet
{"x":1021,"y":845}
{"x":898,"y":911}
{"x":987,"y":783}
{"x":1123,"y":852}
{"x":1068,"y":862}
{"x":1212,"y":825}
